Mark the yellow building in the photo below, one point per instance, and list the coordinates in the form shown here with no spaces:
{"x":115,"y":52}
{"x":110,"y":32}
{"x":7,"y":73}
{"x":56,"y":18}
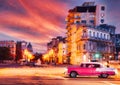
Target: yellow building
{"x":57,"y":51}
{"x":62,"y":52}
{"x":88,"y":37}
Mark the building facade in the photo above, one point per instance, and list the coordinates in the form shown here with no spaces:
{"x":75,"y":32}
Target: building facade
{"x":117,"y":43}
{"x":62,"y":52}
{"x":57,"y":50}
{"x":88,"y":37}
{"x":20,"y":47}
{"x":11,"y":45}
{"x":29,"y":48}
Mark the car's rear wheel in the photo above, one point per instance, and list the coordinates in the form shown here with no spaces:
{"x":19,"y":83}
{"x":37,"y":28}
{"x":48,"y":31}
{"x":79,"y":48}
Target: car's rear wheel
{"x":104,"y":75}
{"x":73,"y":74}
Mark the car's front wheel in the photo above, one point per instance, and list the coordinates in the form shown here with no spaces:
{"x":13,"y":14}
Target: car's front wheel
{"x":73,"y":74}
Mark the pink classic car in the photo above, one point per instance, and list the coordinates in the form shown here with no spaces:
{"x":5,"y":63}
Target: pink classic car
{"x":91,"y":69}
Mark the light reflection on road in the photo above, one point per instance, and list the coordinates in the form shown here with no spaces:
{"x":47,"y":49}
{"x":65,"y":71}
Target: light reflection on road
{"x":49,"y":76}
{"x":31,"y":71}
{"x":42,"y":80}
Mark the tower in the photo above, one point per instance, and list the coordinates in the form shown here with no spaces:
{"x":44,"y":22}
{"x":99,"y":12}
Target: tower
{"x":29,"y":47}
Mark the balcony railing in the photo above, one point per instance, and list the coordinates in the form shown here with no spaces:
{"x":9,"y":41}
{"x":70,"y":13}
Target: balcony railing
{"x":85,"y":37}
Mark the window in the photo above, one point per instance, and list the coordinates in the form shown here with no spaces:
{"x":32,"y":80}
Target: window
{"x":90,"y":33}
{"x":83,"y":65}
{"x":108,"y":37}
{"x":101,"y":35}
{"x":102,"y":21}
{"x":77,"y":22}
{"x":92,"y":16}
{"x":77,"y":16}
{"x":104,"y":36}
{"x":92,"y":21}
{"x":93,"y":34}
{"x":96,"y":66}
{"x":84,"y":33}
{"x":83,"y":21}
{"x":90,"y":45}
{"x":102,"y":8}
{"x":89,"y":65}
{"x":84,"y":46}
{"x":97,"y":35}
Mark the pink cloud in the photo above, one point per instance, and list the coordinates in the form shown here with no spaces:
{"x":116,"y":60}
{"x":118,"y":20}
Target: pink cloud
{"x":43,"y":20}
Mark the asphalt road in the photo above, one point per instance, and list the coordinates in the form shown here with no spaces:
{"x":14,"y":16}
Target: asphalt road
{"x":56,"y":80}
{"x":22,"y":75}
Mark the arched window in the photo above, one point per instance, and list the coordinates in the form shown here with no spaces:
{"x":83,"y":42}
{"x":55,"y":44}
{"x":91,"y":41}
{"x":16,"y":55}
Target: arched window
{"x":97,"y":35}
{"x":104,"y":36}
{"x":101,"y":35}
{"x":90,"y":33}
{"x":93,"y":34}
{"x":84,"y":46}
{"x":84,"y":33}
{"x":108,"y":37}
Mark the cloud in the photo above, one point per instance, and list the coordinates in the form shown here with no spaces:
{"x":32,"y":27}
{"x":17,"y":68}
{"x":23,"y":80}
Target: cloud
{"x":38,"y":21}
{"x":34,"y":21}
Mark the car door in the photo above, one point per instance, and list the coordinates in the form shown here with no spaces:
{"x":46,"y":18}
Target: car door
{"x":82,"y":69}
{"x":97,"y":69}
{"x":86,"y":69}
{"x":90,"y":69}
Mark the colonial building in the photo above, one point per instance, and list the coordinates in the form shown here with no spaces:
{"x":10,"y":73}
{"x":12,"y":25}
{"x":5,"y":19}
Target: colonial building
{"x":62,"y":52}
{"x":20,"y":47}
{"x":57,"y":50}
{"x":117,"y":43}
{"x":29,"y":48}
{"x":88,"y":37}
{"x":11,"y":45}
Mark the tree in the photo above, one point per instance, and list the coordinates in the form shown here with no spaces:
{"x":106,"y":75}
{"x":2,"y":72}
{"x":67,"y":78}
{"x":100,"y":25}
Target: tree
{"x":5,"y":54}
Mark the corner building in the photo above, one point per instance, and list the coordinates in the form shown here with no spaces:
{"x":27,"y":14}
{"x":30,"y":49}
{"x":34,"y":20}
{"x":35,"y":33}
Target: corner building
{"x":88,"y":37}
{"x":11,"y":45}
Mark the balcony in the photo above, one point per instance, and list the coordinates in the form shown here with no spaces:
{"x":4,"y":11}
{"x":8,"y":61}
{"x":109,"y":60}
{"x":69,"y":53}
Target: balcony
{"x":85,"y":37}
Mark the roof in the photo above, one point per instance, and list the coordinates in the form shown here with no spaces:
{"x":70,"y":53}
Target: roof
{"x":83,"y":9}
{"x":92,"y":63}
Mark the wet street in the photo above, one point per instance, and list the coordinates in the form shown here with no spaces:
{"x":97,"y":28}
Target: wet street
{"x":56,"y":80}
{"x":48,"y":75}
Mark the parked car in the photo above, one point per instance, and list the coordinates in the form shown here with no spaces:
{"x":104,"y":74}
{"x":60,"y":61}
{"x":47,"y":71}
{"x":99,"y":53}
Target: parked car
{"x":91,"y":69}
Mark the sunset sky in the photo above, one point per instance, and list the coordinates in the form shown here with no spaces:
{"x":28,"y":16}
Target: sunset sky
{"x":38,"y":21}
